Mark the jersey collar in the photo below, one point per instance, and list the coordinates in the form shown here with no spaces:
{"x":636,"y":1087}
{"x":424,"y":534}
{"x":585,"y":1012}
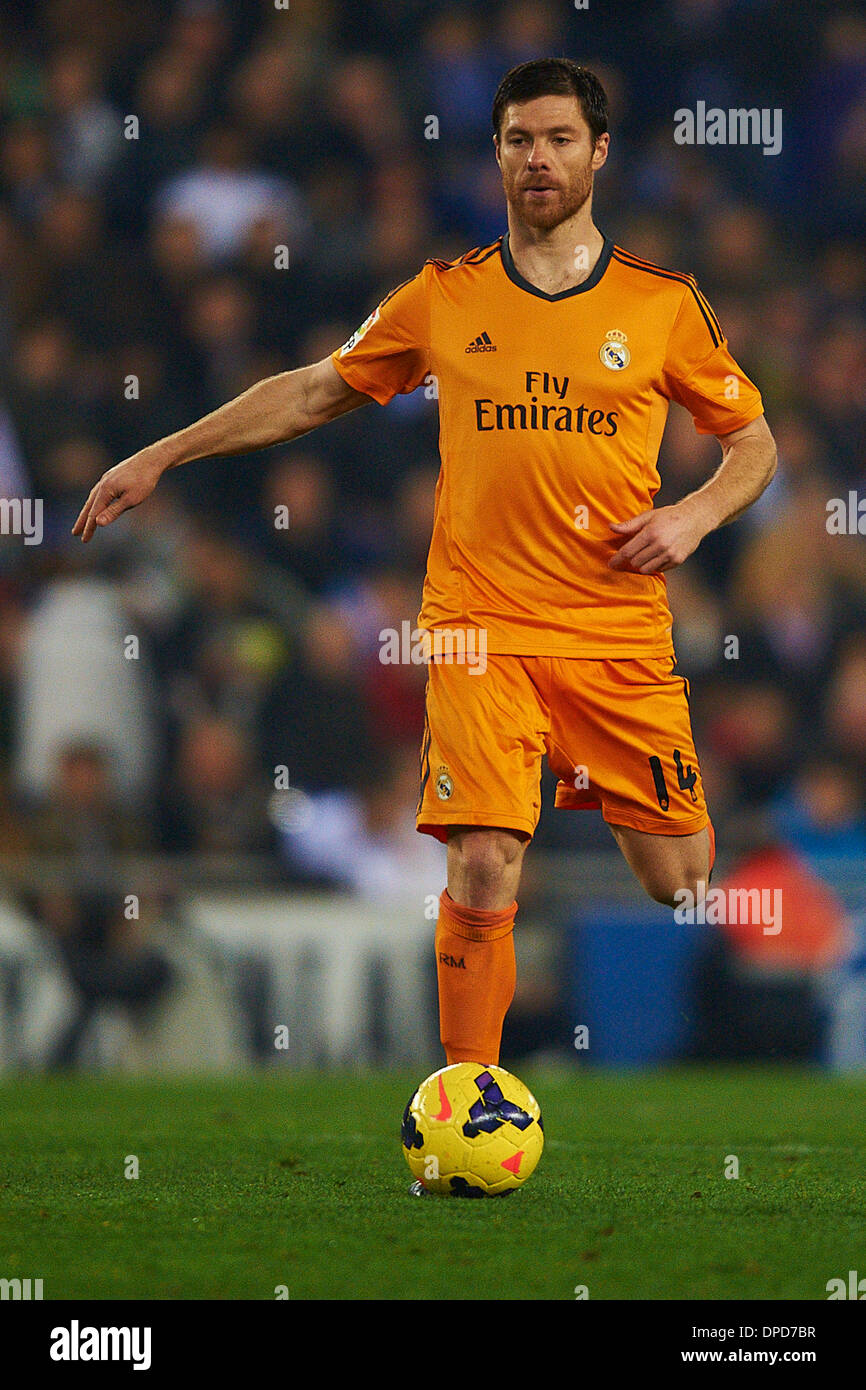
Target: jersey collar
{"x":589,"y":283}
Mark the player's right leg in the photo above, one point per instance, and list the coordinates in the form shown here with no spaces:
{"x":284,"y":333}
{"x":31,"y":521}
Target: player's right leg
{"x":484,"y":865}
{"x":475,"y":961}
{"x":480,"y":793}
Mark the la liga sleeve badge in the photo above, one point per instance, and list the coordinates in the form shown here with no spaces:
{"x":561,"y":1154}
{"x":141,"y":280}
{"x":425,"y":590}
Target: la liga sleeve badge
{"x":359,"y":333}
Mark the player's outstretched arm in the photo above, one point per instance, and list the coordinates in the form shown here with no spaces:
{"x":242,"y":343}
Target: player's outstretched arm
{"x":661,"y":539}
{"x":274,"y":411}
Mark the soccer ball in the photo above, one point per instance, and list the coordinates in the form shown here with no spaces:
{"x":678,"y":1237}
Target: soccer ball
{"x":472,"y":1131}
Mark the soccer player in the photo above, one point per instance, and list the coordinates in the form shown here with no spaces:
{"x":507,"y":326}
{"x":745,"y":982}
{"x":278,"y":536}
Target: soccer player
{"x":555,"y":354}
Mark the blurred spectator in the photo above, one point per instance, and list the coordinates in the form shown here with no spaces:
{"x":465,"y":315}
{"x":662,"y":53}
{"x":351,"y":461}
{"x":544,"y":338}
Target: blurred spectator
{"x":314,"y":721}
{"x":99,"y":931}
{"x":823,"y":812}
{"x":365,"y":838}
{"x":298,"y":527}
{"x":750,"y":726}
{"x":86,"y":279}
{"x":796,"y":590}
{"x":235,"y":628}
{"x":355,"y":87}
{"x":88,"y":130}
{"x":77,"y":642}
{"x":27,"y":169}
{"x":759,"y":981}
{"x":846,"y":703}
{"x":384,"y":609}
{"x":414,"y":505}
{"x":225,"y":196}
{"x":216,"y":800}
{"x":41,"y":390}
{"x":221,"y":327}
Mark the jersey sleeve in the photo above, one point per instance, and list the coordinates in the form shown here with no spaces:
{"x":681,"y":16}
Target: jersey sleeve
{"x":390,"y":353}
{"x":701,"y":374}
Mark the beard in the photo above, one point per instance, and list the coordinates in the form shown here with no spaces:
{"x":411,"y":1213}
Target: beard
{"x":557,"y":207}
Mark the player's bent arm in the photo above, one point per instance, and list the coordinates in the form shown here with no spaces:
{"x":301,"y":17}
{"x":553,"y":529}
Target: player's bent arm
{"x":278,"y":409}
{"x":747,"y":466}
{"x":659,"y":539}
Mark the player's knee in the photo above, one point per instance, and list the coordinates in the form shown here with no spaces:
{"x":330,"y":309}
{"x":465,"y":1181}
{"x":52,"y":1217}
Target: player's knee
{"x":483,"y":857}
{"x":685,"y":882}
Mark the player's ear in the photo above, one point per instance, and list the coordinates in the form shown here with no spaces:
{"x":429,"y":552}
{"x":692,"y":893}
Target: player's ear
{"x":600,"y":152}
{"x":496,"y":150}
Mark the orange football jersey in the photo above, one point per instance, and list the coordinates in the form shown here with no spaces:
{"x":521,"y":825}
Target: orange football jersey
{"x":551,"y":409}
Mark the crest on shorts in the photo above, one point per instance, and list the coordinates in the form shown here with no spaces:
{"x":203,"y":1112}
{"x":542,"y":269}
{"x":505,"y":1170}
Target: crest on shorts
{"x":444,"y":784}
{"x":613,"y":351}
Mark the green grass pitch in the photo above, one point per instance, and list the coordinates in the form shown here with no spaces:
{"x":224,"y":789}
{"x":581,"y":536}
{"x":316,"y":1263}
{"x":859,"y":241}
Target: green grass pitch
{"x":255,"y":1182}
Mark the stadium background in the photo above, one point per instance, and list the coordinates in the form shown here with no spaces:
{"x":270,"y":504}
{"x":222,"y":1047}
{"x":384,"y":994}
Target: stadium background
{"x":207,"y":776}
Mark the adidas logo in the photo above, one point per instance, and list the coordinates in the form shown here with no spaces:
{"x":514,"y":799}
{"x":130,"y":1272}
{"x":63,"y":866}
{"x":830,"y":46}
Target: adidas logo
{"x":482,"y":344}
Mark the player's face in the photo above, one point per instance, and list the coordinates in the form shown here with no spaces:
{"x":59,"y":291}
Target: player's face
{"x":547,"y":157}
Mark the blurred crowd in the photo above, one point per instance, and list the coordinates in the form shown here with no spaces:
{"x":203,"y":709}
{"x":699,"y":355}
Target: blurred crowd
{"x":195,"y":195}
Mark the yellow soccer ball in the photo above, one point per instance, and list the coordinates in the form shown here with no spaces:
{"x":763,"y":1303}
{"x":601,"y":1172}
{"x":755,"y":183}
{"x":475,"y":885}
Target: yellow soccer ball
{"x":472,"y":1131}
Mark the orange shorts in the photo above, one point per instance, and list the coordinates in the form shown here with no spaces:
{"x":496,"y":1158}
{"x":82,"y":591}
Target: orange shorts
{"x":617,"y":735}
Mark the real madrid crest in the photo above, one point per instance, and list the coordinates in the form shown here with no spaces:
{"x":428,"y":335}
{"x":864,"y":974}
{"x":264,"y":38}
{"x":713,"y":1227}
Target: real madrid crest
{"x":613,"y":351}
{"x":444,"y":784}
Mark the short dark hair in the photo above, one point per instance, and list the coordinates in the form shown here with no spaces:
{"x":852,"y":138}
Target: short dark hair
{"x":543,"y":77}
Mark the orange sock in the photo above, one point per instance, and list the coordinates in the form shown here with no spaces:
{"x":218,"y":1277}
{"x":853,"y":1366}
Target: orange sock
{"x":476,"y":971}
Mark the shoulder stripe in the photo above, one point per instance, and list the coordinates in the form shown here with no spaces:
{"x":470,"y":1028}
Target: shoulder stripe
{"x":641,"y":262}
{"x":476,"y":256}
{"x":397,"y":288}
{"x":629,"y":257}
{"x":687,"y":280}
{"x":480,"y":253}
{"x":710,"y":311}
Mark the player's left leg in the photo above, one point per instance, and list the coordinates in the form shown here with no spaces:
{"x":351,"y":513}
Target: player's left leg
{"x":666,"y":864}
{"x":623,"y":729}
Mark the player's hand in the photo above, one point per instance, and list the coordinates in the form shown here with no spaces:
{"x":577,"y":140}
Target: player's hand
{"x":657,"y":540}
{"x":122,"y":487}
